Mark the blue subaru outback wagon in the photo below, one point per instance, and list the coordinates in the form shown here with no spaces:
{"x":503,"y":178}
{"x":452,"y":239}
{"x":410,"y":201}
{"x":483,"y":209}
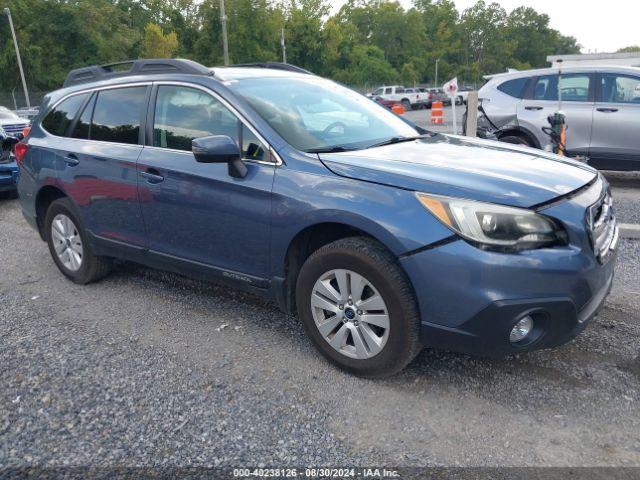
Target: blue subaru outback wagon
{"x":381,"y":237}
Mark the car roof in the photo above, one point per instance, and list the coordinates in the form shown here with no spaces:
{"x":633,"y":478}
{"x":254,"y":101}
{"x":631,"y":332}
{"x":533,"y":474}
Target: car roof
{"x":240,"y":73}
{"x":572,"y":69}
{"x":96,"y":77}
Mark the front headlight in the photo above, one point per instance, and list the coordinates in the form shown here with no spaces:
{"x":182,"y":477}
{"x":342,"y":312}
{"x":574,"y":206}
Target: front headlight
{"x":495,"y":227}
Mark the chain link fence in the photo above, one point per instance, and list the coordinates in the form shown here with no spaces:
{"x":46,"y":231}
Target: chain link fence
{"x":15,"y":99}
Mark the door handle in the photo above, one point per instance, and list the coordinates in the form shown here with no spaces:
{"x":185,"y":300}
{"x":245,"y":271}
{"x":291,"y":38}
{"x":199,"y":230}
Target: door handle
{"x":152,"y":176}
{"x":607,"y":109}
{"x":71,"y":160}
{"x":533,"y":108}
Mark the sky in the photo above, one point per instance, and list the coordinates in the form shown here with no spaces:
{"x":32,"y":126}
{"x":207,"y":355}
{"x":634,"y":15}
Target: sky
{"x":602,"y":26}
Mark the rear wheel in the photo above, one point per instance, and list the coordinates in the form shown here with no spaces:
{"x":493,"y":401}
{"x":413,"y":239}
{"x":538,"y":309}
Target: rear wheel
{"x":358,"y":307}
{"x":406,"y":104}
{"x":69,"y":247}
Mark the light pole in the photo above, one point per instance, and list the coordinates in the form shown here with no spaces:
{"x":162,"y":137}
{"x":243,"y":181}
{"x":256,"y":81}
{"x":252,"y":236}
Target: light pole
{"x":7,"y":12}
{"x":225,"y":41}
{"x":284,"y":48}
{"x":437,"y":60}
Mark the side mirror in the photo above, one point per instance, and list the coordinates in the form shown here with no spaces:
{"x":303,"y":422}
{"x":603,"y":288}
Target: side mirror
{"x":220,"y":149}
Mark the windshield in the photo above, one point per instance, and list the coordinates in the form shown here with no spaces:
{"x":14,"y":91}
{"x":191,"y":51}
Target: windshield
{"x":7,"y":114}
{"x":315,"y":114}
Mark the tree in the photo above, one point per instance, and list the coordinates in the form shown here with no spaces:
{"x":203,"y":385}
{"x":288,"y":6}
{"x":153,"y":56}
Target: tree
{"x":60,"y":35}
{"x":409,"y":74}
{"x":367,"y":66}
{"x":253,"y":29}
{"x":303,"y":32}
{"x":534,"y":39}
{"x":483,"y":37}
{"x":443,"y":37}
{"x":158,"y":44}
{"x":630,"y":49}
{"x":366,"y":41}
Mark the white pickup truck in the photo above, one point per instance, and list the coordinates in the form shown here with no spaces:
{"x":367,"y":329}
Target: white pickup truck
{"x":408,"y":97}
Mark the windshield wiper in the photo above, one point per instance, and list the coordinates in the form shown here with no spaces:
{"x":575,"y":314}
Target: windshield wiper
{"x":333,"y":149}
{"x":393,"y":140}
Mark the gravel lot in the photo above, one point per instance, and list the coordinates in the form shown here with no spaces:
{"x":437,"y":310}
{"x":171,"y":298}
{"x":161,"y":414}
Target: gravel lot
{"x":138,"y":370}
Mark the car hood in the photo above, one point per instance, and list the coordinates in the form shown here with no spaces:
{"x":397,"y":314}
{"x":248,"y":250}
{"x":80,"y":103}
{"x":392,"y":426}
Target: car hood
{"x":467,"y":168}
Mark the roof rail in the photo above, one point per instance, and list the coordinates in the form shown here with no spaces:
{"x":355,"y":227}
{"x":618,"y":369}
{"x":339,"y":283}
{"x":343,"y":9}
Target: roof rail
{"x":135,"y":67}
{"x":274,"y":65}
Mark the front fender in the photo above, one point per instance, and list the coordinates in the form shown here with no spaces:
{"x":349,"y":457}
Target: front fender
{"x":391,"y":215}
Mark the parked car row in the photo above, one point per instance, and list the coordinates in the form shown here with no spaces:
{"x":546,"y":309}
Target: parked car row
{"x":12,"y":123}
{"x":417,"y":97}
{"x":12,"y":126}
{"x":8,"y":167}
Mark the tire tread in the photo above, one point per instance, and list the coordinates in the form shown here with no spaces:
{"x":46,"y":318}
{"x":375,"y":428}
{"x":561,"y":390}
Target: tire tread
{"x":370,"y":250}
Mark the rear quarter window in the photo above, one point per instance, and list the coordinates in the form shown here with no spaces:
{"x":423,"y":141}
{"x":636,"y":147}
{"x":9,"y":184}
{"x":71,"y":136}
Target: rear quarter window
{"x":514,"y":88}
{"x":58,"y":120}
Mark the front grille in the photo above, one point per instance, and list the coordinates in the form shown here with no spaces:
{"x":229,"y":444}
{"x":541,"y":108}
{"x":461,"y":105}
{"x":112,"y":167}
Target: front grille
{"x":15,"y":127}
{"x":603,"y":230}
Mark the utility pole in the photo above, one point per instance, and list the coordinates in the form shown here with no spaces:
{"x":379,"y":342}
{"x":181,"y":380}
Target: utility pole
{"x":284,"y":48}
{"x":437,"y":60}
{"x":7,"y":12}
{"x":225,"y":41}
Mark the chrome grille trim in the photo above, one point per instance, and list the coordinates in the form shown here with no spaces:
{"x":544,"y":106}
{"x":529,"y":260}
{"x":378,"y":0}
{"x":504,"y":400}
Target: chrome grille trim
{"x":15,"y":127}
{"x":601,"y":225}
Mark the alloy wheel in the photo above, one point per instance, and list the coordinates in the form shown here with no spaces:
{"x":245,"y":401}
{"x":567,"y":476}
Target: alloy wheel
{"x":350,"y":314}
{"x":67,"y":242}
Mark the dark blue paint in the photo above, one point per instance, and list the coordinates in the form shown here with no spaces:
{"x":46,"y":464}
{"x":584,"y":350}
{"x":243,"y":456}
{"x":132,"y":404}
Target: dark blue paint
{"x":8,"y":176}
{"x":164,"y":209}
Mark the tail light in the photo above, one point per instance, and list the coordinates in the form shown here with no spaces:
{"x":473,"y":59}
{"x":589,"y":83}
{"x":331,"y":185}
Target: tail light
{"x":20,"y":151}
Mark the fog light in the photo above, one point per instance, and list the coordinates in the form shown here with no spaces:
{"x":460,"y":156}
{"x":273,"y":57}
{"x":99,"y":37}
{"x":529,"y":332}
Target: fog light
{"x":521,"y":329}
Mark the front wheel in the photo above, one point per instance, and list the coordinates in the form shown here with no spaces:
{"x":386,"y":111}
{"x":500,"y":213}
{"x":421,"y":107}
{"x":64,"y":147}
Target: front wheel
{"x":406,"y":104}
{"x":358,"y":307}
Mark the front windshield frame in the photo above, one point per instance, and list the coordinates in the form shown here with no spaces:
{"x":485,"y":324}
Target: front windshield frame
{"x":283,"y":104}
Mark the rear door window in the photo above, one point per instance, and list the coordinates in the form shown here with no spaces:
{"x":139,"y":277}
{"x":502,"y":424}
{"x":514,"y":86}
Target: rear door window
{"x":514,"y":88}
{"x":616,"y":88}
{"x":57,"y":122}
{"x":117,"y":113}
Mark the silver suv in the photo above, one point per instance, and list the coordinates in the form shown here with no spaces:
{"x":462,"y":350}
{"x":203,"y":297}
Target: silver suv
{"x":601,"y":104}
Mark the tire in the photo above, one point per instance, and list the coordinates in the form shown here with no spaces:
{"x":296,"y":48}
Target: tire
{"x":90,"y":267}
{"x":406,"y":104}
{"x":365,"y":259}
{"x":515,"y":140}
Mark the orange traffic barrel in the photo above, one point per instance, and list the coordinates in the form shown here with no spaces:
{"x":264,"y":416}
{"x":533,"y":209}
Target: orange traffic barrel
{"x":436,"y":113}
{"x":398,"y":109}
